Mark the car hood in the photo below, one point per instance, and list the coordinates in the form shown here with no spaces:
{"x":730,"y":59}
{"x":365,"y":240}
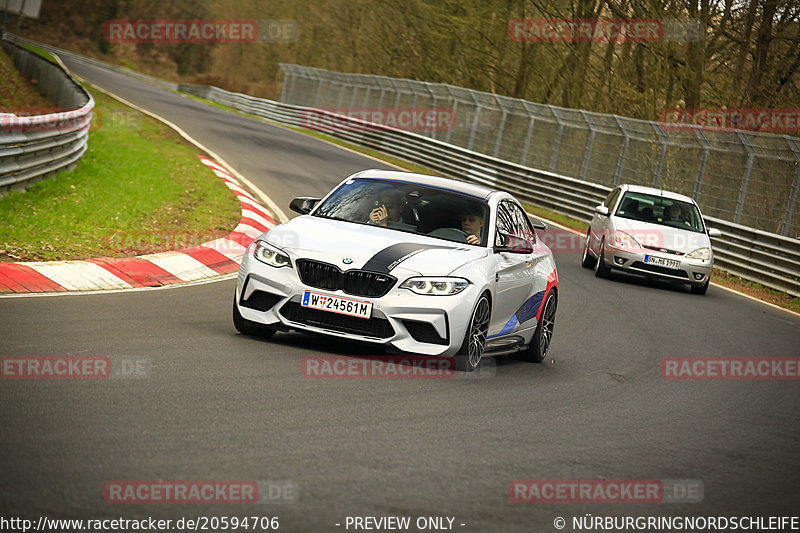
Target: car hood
{"x":658,"y":236}
{"x":348,"y":246}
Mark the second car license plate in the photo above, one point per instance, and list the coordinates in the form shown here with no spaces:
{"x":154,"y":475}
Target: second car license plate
{"x":660,"y":261}
{"x":345,"y":306}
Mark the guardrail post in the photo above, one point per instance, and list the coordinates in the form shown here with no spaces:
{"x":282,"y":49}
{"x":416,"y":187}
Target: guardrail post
{"x":474,"y":121}
{"x":287,"y":77}
{"x":787,"y":222}
{"x":342,"y":87}
{"x":502,"y":128}
{"x":621,"y":160}
{"x":455,"y":116}
{"x":523,"y":160}
{"x":661,"y":154}
{"x":751,"y":154}
{"x":701,"y":172}
{"x":587,"y":154}
{"x":557,"y":146}
{"x":318,"y":96}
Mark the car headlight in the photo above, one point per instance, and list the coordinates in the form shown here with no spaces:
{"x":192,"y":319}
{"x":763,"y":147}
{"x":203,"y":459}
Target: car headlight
{"x":701,"y":253}
{"x":441,"y":286}
{"x":266,"y":253}
{"x":620,"y":239}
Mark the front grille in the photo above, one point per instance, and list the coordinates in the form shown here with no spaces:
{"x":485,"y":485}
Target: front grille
{"x":355,"y":282}
{"x":423,"y":332}
{"x":663,"y":250}
{"x":659,"y":269}
{"x":319,"y":275}
{"x":369,"y":327}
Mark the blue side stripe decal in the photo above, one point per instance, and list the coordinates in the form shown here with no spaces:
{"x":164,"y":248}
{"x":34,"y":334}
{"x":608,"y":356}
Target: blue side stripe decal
{"x":528,"y":311}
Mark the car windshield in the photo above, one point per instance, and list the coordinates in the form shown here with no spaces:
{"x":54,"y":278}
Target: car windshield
{"x":408,"y":207}
{"x":659,"y":210}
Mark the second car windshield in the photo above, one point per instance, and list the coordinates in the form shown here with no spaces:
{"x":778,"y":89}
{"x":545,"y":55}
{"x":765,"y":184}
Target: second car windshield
{"x":410,"y":208}
{"x":659,"y":210}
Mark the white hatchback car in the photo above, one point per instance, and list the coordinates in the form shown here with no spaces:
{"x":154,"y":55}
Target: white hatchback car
{"x":410,"y":262}
{"x":650,"y":232}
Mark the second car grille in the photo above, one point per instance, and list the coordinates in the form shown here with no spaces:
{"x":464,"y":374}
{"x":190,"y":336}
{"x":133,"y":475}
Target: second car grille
{"x":656,"y":269}
{"x":355,"y":282}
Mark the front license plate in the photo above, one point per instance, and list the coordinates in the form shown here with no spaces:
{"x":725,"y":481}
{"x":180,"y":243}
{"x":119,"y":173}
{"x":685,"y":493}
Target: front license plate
{"x":660,"y":261}
{"x":334,"y":304}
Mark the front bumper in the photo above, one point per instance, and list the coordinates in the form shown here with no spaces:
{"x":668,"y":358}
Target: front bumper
{"x":692,"y":271}
{"x":403,"y":320}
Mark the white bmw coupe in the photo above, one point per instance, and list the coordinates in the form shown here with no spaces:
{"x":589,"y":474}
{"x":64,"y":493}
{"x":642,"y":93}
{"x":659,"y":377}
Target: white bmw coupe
{"x":414,"y":263}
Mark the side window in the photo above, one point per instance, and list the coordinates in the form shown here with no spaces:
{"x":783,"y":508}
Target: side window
{"x":505,"y":223}
{"x":513,"y":220}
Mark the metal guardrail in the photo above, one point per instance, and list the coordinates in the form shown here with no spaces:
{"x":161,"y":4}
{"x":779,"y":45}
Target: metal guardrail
{"x":33,"y":145}
{"x":89,"y":61}
{"x":748,"y":177}
{"x":770,"y":259}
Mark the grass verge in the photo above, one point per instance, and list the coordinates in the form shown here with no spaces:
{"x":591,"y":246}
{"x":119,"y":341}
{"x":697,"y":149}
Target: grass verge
{"x":139,"y":188}
{"x":751,"y":288}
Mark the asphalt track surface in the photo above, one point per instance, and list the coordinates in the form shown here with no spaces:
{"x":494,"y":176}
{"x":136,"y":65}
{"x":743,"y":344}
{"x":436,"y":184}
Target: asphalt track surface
{"x":221,"y":406}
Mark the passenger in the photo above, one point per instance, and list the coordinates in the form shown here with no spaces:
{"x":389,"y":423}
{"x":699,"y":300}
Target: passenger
{"x":388,"y":209}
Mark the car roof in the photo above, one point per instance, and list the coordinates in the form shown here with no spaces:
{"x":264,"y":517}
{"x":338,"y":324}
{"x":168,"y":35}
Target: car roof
{"x":658,"y":192}
{"x":468,"y":189}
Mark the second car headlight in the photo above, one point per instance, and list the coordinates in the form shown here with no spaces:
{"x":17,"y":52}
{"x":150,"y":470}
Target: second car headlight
{"x":271,"y":255}
{"x":700,"y":253}
{"x":620,"y":239}
{"x":436,"y":286}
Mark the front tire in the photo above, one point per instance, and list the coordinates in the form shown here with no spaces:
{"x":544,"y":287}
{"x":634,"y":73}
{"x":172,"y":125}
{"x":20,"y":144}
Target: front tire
{"x":587,"y":261}
{"x":600,"y":268}
{"x":543,"y":336}
{"x":248,"y":327}
{"x":469,"y":355}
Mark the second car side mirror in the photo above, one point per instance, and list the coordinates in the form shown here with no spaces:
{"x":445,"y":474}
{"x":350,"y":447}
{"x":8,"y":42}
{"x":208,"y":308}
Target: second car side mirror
{"x":601,"y":210}
{"x":303,"y":204}
{"x":714,"y":232}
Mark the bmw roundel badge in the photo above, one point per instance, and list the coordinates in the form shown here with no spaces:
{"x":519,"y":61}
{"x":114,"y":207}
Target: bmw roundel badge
{"x":347,"y":261}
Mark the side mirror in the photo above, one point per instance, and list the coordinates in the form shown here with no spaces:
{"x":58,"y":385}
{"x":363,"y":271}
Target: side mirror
{"x":601,"y":210}
{"x":513,"y":244}
{"x":714,"y":232}
{"x":539,"y":224}
{"x":303,"y":204}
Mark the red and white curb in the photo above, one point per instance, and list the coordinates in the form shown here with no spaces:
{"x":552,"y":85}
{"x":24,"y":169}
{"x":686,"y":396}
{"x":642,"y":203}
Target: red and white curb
{"x":204,"y":261}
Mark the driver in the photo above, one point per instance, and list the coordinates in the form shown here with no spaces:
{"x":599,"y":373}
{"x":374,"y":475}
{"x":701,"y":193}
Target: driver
{"x":472,"y":224}
{"x":675,"y":214}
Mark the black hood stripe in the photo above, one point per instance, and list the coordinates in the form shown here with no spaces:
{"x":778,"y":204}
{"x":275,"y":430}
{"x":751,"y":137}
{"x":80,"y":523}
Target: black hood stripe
{"x":388,"y":258}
